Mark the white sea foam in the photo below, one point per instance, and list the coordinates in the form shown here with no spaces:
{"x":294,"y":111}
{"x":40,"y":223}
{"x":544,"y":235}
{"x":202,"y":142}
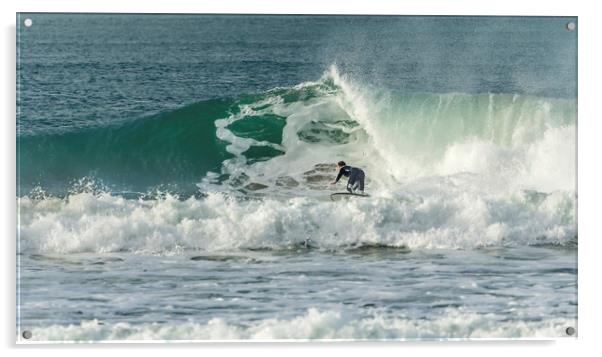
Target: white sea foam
{"x":449,"y":217}
{"x":314,"y":325}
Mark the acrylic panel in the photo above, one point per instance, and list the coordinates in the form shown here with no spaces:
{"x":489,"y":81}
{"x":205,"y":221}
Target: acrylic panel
{"x":196,"y":177}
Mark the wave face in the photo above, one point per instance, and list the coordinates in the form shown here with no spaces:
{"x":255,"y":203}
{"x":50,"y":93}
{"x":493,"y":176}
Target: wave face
{"x":447,"y":170}
{"x":172,"y":147}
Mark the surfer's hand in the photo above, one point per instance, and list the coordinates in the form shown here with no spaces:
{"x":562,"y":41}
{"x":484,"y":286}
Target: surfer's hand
{"x":333,"y":182}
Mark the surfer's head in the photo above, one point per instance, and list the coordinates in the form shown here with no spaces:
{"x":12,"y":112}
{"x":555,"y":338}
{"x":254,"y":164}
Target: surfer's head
{"x":341,"y":164}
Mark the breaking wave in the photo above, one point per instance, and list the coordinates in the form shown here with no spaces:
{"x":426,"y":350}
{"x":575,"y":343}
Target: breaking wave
{"x":449,"y":170}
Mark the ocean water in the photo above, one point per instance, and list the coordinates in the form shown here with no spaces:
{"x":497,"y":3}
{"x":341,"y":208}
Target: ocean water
{"x":173,"y":177}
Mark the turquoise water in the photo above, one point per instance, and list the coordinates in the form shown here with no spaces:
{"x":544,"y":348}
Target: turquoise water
{"x":173,"y":172}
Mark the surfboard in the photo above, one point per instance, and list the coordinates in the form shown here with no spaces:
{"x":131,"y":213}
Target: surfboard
{"x":345,"y":196}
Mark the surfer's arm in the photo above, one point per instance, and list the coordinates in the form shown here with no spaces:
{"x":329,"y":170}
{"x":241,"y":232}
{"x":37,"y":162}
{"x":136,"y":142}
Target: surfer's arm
{"x":338,"y":176}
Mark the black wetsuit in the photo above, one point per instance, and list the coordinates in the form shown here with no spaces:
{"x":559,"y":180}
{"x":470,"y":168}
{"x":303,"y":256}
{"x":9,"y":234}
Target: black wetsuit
{"x":356,"y":177}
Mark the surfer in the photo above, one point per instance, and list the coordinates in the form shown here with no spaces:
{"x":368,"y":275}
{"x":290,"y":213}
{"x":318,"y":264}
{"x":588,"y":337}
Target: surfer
{"x":355,"y":174}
